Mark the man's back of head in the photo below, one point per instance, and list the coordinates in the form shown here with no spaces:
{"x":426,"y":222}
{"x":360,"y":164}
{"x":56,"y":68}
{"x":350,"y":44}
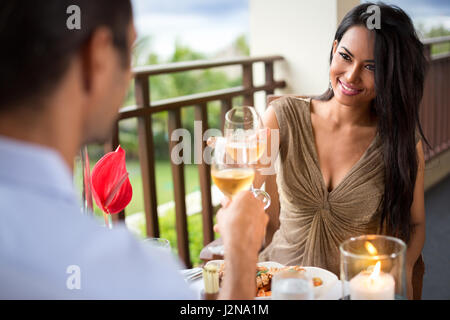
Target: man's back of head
{"x":58,"y":47}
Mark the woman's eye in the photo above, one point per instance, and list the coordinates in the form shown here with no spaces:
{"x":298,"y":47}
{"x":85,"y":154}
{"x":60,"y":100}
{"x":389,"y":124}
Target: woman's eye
{"x":345,"y":56}
{"x":370,"y":67}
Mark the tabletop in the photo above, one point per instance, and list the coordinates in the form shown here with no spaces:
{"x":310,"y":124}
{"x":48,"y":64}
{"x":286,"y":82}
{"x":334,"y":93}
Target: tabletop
{"x":333,"y":293}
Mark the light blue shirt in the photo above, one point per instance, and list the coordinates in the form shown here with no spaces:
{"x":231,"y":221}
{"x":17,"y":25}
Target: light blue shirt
{"x":49,"y":250}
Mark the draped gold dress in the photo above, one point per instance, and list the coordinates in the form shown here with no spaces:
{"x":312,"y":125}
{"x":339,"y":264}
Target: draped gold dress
{"x":314,"y":221}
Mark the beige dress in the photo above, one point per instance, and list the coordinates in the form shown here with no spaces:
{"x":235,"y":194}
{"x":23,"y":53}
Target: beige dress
{"x":313,"y":221}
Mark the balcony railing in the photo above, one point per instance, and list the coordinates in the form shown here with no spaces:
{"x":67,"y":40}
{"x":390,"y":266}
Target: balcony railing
{"x":434,"y":116}
{"x":434,"y":112}
{"x":144,"y":110}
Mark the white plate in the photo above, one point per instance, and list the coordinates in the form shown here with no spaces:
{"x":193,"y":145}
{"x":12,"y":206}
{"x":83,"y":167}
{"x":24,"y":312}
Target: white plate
{"x":329,"y":280}
{"x":320,"y":292}
{"x":267,"y":264}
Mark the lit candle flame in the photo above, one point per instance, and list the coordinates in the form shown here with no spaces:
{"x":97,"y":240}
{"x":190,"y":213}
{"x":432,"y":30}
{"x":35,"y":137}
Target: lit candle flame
{"x":371,"y":248}
{"x":376,"y":272}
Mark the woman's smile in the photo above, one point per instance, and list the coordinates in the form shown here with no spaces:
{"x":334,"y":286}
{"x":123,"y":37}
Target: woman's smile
{"x":348,"y":89}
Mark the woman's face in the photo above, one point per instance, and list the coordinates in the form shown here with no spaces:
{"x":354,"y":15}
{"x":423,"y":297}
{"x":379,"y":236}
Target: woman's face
{"x":352,"y":70}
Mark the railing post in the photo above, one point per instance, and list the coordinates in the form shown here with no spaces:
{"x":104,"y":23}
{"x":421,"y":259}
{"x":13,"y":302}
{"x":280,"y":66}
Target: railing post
{"x":205,"y":177}
{"x":179,"y":193}
{"x":440,"y":125}
{"x":247,"y":82}
{"x":426,"y":101}
{"x":447,"y":103}
{"x":225,"y":106}
{"x":268,"y":71}
{"x":145,"y":137}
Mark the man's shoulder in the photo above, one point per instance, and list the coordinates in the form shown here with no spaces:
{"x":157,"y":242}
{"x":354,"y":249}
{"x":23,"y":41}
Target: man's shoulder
{"x":54,"y":247}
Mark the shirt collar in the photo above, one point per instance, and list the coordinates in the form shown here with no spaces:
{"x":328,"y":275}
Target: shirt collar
{"x":34,"y":166}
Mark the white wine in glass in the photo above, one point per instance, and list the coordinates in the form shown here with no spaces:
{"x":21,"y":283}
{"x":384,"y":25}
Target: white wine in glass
{"x":231,"y":181}
{"x":231,"y":176}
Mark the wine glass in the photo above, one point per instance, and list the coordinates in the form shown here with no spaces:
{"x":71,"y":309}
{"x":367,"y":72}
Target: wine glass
{"x":232,"y":176}
{"x":245,"y":142}
{"x":158,"y":242}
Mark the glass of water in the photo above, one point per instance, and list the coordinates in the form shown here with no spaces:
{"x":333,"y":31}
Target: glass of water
{"x":292,"y":285}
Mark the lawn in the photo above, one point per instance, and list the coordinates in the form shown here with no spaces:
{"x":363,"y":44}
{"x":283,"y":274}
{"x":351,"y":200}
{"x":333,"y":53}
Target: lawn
{"x":164,"y":193}
{"x":164,"y":186}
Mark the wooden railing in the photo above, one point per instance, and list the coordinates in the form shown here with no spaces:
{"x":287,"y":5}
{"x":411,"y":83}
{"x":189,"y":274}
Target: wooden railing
{"x":144,"y":110}
{"x":434,"y":112}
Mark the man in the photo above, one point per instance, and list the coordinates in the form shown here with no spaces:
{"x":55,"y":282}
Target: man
{"x":61,"y":88}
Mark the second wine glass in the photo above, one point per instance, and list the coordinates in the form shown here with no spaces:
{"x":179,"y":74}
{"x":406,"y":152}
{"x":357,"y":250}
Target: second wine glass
{"x":245,"y":141}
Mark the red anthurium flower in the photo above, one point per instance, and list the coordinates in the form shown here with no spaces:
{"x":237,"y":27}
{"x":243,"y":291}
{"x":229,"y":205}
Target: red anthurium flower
{"x":111,"y":186}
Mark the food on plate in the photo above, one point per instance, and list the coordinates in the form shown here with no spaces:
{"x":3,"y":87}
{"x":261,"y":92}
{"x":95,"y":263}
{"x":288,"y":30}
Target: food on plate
{"x":263,"y":293}
{"x":264,"y":278}
{"x":317,"y":281}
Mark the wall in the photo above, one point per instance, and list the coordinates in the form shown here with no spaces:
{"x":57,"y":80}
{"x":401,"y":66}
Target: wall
{"x":302,"y":31}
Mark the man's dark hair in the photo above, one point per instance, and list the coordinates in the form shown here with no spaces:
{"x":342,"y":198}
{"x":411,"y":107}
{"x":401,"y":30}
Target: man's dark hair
{"x":37,"y":46}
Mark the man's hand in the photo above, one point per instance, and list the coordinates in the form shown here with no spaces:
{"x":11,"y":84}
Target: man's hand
{"x":242,"y":224}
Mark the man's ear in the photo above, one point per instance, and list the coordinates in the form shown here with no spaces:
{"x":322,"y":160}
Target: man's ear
{"x":95,"y":57}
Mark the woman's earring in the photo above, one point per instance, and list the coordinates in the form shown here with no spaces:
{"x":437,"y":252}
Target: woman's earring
{"x":329,"y":85}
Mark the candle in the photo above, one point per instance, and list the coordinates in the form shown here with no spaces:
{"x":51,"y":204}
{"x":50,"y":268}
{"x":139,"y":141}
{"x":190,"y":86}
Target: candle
{"x":375,"y":285}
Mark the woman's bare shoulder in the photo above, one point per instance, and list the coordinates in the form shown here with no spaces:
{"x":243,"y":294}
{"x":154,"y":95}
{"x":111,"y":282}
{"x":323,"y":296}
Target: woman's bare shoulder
{"x":317,"y":106}
{"x":270,"y":118}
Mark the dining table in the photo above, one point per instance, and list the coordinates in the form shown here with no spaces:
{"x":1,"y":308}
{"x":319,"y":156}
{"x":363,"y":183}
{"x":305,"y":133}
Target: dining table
{"x":194,"y":279}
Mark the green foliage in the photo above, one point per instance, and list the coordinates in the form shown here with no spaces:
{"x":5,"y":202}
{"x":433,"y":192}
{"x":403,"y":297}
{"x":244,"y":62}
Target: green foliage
{"x":241,"y":43}
{"x":438,"y":31}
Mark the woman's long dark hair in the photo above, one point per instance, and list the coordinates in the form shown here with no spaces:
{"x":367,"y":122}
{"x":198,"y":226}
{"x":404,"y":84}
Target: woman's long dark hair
{"x":400,"y":67}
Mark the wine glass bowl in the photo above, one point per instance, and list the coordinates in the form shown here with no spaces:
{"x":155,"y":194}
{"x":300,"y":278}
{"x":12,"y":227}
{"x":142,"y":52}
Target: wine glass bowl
{"x":229,"y":175}
{"x":243,"y":127}
{"x":242,"y":117}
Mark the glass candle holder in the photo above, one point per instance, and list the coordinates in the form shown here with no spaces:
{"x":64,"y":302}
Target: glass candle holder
{"x":373,"y":268}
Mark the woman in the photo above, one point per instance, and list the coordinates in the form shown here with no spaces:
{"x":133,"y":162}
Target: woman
{"x":351,"y":161}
